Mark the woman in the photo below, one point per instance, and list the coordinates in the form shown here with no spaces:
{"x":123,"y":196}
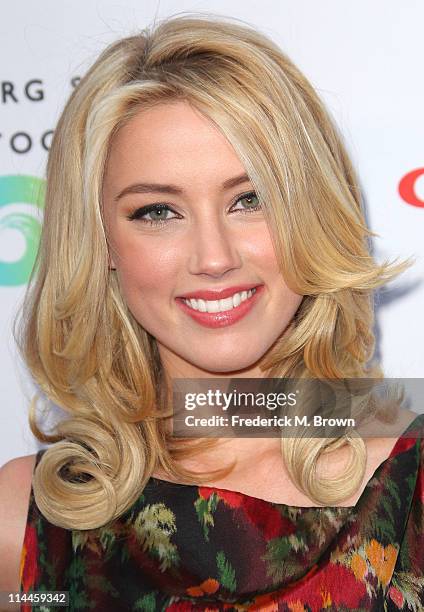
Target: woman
{"x":194,"y":165}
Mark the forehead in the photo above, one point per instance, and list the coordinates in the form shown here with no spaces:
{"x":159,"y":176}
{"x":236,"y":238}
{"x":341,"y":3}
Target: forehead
{"x":172,"y":136}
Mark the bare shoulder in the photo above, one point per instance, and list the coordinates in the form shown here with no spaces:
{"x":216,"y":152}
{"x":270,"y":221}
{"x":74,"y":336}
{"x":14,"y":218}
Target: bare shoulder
{"x":15,"y":488}
{"x":18,"y":467}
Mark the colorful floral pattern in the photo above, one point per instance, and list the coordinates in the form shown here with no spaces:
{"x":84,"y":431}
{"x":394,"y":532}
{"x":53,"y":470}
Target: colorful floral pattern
{"x":185,"y":547}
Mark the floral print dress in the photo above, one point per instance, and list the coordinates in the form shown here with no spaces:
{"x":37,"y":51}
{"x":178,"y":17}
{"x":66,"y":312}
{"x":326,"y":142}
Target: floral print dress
{"x":186,"y":547}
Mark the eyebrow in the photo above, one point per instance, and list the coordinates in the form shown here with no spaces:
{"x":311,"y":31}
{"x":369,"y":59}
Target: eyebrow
{"x":173,"y":189}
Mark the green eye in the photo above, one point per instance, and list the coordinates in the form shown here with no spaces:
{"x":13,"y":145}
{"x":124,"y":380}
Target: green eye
{"x":249,"y":201}
{"x":252,"y":201}
{"x":159,"y":214}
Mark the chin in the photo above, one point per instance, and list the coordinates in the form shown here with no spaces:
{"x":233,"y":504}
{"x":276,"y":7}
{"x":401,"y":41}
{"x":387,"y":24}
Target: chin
{"x":226,"y":363}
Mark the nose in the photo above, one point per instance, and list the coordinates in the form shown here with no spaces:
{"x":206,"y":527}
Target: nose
{"x":214,"y":249}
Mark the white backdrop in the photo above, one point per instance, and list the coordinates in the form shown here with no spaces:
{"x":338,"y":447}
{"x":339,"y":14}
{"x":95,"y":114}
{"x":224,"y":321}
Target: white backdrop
{"x":365,"y":60}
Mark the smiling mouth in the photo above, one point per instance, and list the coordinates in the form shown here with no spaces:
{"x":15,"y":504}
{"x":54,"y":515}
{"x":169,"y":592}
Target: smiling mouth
{"x":223,"y":312}
{"x":224,"y":305}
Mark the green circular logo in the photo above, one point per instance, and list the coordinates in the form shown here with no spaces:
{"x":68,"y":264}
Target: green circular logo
{"x":17,"y":191}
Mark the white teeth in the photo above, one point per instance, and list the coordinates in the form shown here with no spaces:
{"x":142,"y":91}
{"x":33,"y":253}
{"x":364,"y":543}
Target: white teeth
{"x":226,"y":304}
{"x":201,"y":305}
{"x":212,"y":306}
{"x":236,"y":300}
{"x":220,"y":305}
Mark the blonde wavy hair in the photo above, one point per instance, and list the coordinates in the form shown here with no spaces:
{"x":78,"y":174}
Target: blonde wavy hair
{"x":83,"y":347}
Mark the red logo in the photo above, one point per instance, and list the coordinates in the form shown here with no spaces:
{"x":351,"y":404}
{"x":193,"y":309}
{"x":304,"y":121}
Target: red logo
{"x":407,"y":188}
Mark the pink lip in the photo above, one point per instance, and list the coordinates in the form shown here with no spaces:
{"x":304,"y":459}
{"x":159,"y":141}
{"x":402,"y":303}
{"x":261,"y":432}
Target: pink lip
{"x":217,"y":294}
{"x":222,"y":319}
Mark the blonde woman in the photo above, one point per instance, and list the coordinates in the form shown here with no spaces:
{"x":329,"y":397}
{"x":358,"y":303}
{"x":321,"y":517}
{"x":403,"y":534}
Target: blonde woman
{"x":193,"y":165}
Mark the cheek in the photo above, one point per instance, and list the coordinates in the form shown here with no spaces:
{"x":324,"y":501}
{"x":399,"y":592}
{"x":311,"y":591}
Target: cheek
{"x":258,"y":244}
{"x":262,"y":252}
{"x":145,"y":266}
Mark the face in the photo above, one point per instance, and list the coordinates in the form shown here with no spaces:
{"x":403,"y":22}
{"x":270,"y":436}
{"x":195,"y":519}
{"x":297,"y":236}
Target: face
{"x":191,"y":246}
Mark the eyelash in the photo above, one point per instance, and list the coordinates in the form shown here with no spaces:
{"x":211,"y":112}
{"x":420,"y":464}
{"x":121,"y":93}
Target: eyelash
{"x":138,"y":214}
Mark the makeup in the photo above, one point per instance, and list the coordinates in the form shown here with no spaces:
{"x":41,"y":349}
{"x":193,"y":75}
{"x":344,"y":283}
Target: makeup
{"x":222,"y":318}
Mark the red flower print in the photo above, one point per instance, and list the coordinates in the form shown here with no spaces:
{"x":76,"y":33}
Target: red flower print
{"x":296,"y":606}
{"x":264,"y":603}
{"x":29,"y":568}
{"x":180,"y":606}
{"x":231,"y":498}
{"x":264,"y":515}
{"x":333,"y":585}
{"x":396,"y":596}
{"x":402,"y":445}
{"x":419,"y":486}
{"x":207,"y":586}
